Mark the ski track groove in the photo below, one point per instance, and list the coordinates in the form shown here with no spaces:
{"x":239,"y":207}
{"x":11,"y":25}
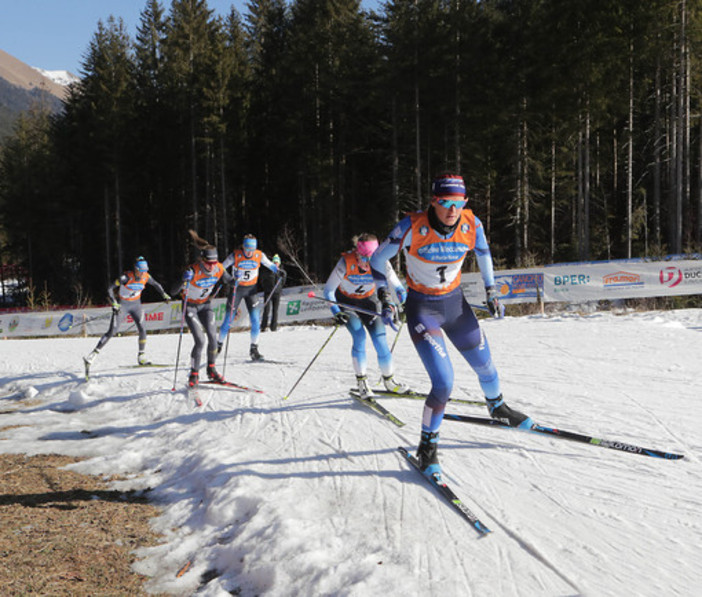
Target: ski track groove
{"x":685,"y":447}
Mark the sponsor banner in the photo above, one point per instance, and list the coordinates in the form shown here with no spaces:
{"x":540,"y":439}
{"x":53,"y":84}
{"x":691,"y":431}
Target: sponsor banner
{"x":295,"y":306}
{"x":514,"y":286}
{"x":610,"y":281}
{"x":563,"y":282}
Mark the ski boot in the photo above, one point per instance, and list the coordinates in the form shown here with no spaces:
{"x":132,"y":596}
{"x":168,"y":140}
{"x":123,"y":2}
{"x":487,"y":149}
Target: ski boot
{"x":91,"y":357}
{"x":193,"y":379}
{"x":255,"y":355}
{"x":427,"y":454}
{"x":499,"y":410}
{"x":213,"y":374}
{"x":392,"y":385}
{"x":364,"y":391}
{"x":142,"y":360}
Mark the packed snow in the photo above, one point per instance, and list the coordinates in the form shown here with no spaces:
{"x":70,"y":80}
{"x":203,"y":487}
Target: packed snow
{"x":310,"y":496}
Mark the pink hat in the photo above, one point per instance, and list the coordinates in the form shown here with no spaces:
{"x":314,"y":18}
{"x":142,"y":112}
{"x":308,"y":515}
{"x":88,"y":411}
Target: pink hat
{"x":366,"y":248}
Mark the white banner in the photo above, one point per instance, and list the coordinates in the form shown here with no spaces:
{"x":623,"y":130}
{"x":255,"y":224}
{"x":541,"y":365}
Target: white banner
{"x":563,"y":282}
{"x":592,"y":281}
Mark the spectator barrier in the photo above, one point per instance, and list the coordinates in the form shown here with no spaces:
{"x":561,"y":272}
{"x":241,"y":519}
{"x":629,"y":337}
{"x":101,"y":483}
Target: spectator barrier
{"x":569,"y":282}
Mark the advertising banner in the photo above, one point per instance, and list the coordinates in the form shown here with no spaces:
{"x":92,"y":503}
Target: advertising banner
{"x":578,"y":282}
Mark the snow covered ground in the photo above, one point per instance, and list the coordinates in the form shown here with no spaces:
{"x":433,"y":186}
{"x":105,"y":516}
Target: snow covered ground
{"x":309,"y":496}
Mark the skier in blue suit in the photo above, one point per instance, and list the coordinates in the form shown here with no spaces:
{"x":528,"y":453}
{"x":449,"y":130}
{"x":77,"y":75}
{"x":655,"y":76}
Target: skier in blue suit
{"x":435,"y":243}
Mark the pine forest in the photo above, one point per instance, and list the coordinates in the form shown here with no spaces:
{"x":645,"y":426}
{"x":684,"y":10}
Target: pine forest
{"x":576,"y":126}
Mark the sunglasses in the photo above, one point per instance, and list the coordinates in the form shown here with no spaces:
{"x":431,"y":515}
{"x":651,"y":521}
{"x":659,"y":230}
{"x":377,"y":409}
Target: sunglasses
{"x":448,"y":203}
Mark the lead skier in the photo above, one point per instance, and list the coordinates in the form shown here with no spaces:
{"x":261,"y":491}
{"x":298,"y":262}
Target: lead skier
{"x":435,"y":243}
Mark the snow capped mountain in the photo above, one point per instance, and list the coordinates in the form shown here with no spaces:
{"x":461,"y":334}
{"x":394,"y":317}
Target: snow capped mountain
{"x":61,"y":77}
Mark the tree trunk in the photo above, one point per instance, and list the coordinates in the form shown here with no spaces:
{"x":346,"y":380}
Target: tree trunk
{"x":118,"y":225}
{"x":552,"y":231}
{"x":108,"y":251}
{"x":657,"y":140}
{"x":630,"y":156}
{"x":526,"y":190}
{"x":417,"y":140}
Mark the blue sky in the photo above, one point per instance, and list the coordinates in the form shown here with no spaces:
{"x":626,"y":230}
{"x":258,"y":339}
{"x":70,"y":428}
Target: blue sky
{"x":54,"y":34}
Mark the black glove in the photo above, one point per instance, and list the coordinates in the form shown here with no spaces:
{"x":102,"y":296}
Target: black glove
{"x":389,"y":312}
{"x":495,"y":308}
{"x":341,"y":318}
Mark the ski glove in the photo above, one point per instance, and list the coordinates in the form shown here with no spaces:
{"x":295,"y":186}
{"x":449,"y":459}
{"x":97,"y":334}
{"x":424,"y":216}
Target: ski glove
{"x":401,"y":294}
{"x":115,"y":307}
{"x":495,"y":308}
{"x":188,"y":275}
{"x":341,"y":318}
{"x":167,"y":297}
{"x":389,"y":312}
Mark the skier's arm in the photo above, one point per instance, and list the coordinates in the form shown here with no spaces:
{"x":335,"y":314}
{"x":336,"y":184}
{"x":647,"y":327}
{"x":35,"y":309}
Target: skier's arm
{"x":394,"y":283}
{"x":228,"y":261}
{"x":399,"y":236}
{"x":268,"y":263}
{"x":333,"y":282}
{"x":114,"y":286}
{"x":483,"y":255}
{"x":158,"y":288}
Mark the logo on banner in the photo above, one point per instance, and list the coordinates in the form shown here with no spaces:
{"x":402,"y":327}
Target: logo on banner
{"x":670,"y":276}
{"x":521,"y":285}
{"x":66,"y":322}
{"x":293,"y":308}
{"x":571,"y":280}
{"x":622,"y":280}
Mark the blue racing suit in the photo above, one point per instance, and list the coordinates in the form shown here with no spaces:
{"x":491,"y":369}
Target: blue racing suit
{"x":435,"y":301}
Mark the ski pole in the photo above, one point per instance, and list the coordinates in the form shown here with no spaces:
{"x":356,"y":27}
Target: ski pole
{"x":271,"y":293}
{"x":180,"y":338}
{"x":89,"y":319}
{"x":232,"y":314}
{"x":311,"y":294}
{"x":397,"y":335}
{"x":314,"y":358}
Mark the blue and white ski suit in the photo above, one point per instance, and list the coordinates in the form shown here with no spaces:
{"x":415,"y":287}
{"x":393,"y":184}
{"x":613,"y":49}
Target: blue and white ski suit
{"x":435,"y":301}
{"x":351,"y":283}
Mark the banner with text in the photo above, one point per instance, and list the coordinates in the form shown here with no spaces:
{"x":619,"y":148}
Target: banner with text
{"x":558,"y":283}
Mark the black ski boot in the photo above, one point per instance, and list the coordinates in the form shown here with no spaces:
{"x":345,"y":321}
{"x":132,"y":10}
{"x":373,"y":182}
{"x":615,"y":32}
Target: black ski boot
{"x":255,"y":355}
{"x":213,"y":374}
{"x":499,"y":410}
{"x":427,"y":453}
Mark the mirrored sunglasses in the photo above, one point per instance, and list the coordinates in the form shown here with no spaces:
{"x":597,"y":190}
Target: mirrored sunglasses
{"x":448,"y":203}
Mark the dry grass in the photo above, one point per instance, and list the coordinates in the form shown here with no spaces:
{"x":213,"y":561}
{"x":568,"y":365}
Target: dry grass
{"x":62,"y":533}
